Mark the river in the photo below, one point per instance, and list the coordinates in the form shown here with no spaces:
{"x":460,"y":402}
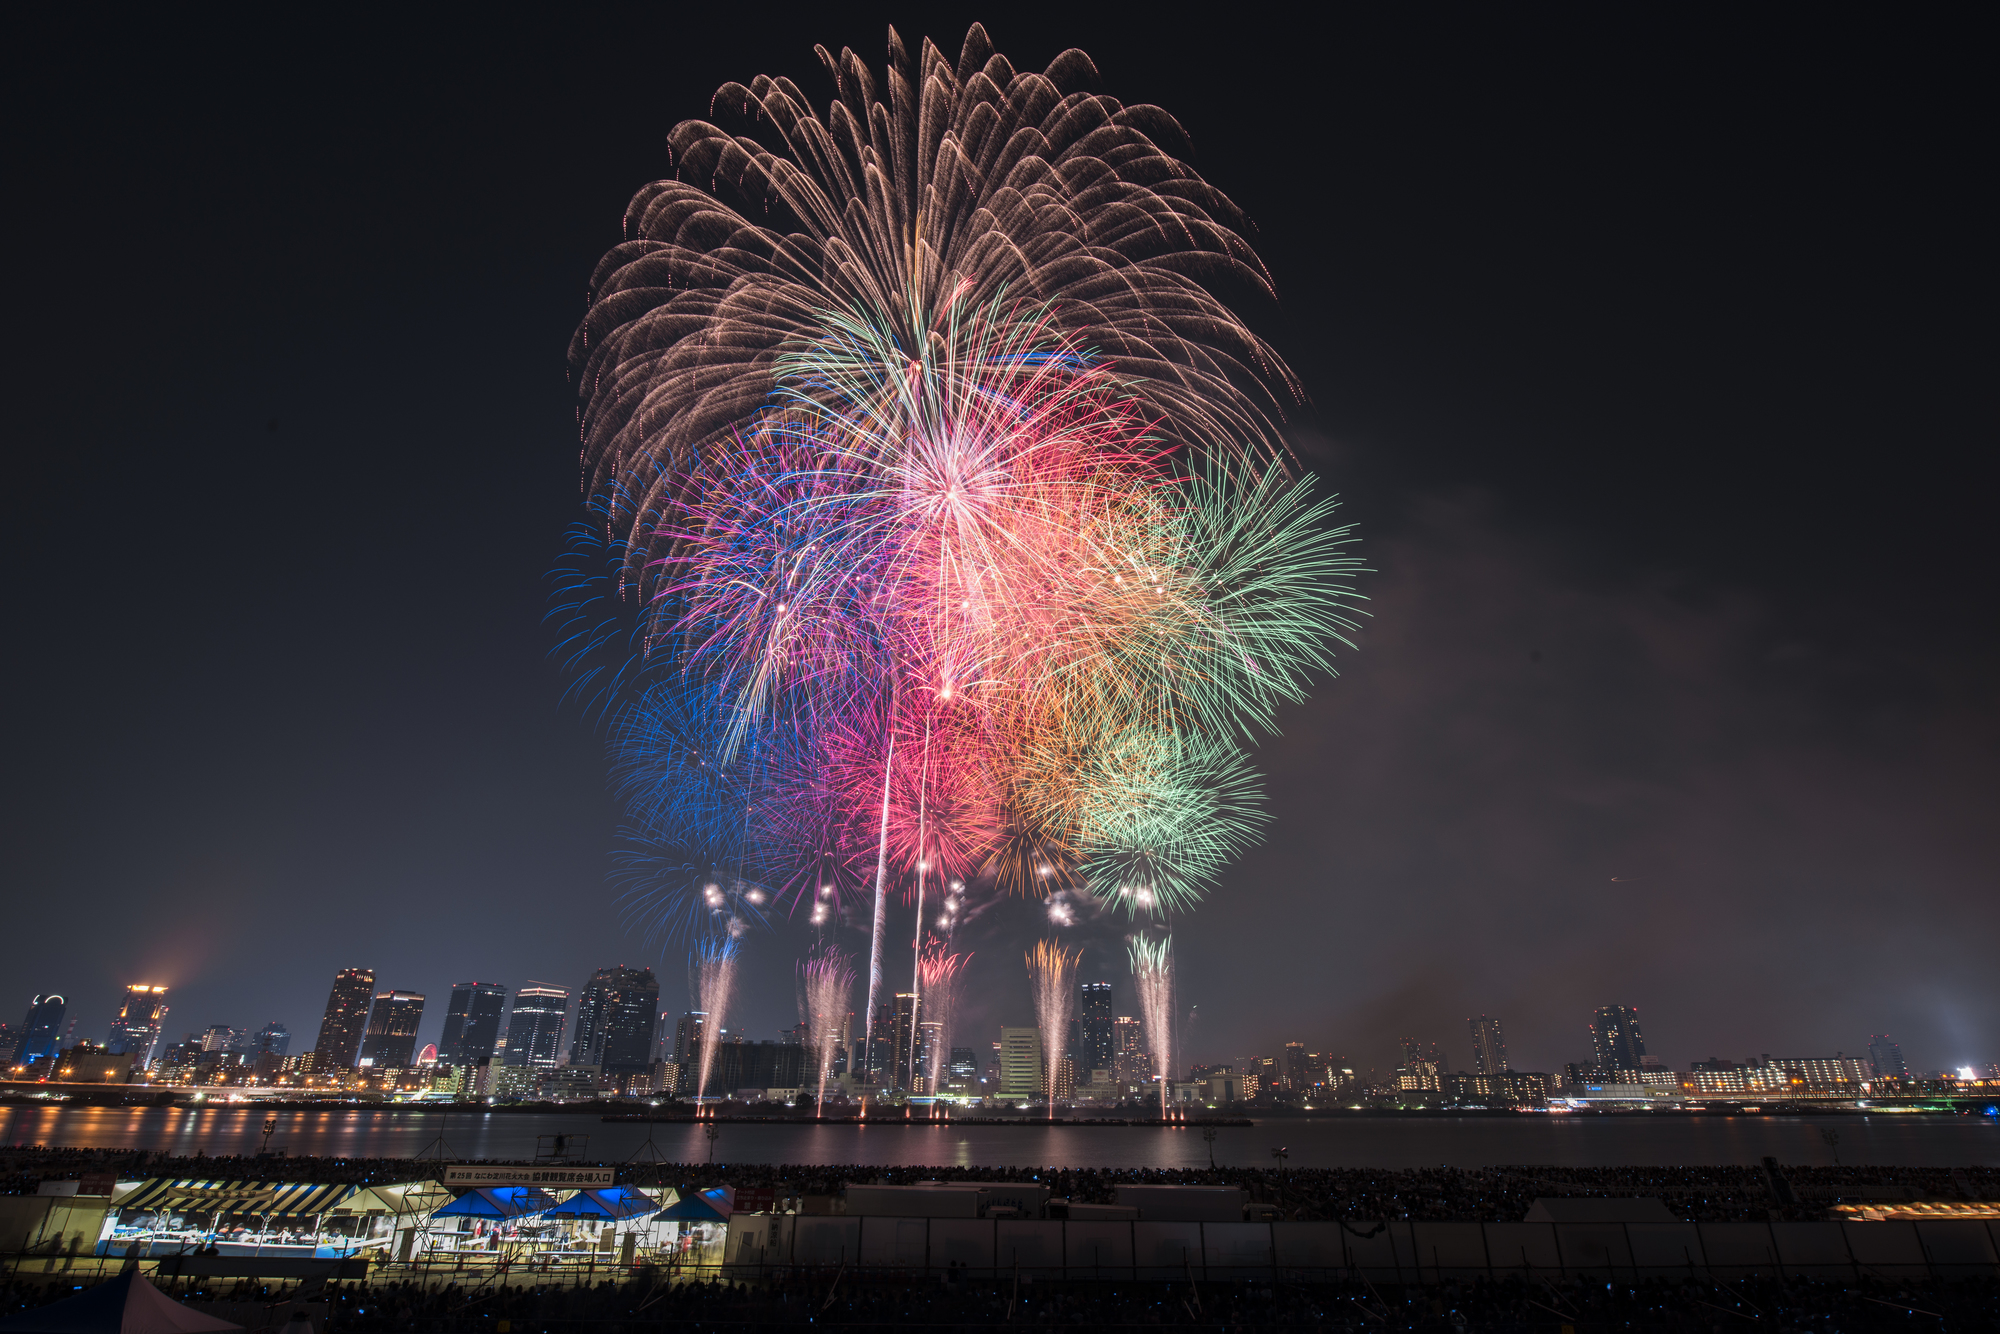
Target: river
{"x":1347,"y":1141}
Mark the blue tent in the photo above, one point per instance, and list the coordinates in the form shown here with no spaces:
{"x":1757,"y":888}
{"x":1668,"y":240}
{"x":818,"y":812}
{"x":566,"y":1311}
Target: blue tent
{"x":711,"y":1206}
{"x":613,"y":1202}
{"x":498,"y":1202}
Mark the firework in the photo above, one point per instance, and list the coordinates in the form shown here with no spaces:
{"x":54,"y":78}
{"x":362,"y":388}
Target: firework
{"x":1051,"y":967}
{"x":826,"y":983}
{"x":939,"y":973}
{"x":1098,"y":218}
{"x":1153,"y":975}
{"x":939,"y":532}
{"x":712,"y":977}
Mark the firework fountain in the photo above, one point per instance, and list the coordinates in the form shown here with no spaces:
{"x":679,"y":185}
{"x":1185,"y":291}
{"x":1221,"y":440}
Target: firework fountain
{"x":1051,"y":967}
{"x":1153,"y":976}
{"x":826,"y":982}
{"x":712,"y":977}
{"x":940,"y":974}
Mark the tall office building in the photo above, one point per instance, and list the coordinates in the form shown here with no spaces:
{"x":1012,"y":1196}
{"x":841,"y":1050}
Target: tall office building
{"x":136,"y":1030}
{"x":687,"y":1037}
{"x":1021,"y":1063}
{"x":1095,"y":1018}
{"x":346,"y":1020}
{"x":1489,"y":1048}
{"x":41,"y":1031}
{"x":1130,"y":1062}
{"x":273,"y":1039}
{"x":392,"y":1030}
{"x":614,"y":1020}
{"x":1885,"y":1056}
{"x":903,"y":1039}
{"x":1615,"y":1038}
{"x":535,"y":1031}
{"x":1424,"y":1053}
{"x":1295,"y":1068}
{"x":930,"y":1053}
{"x":224,"y":1037}
{"x":472,"y":1022}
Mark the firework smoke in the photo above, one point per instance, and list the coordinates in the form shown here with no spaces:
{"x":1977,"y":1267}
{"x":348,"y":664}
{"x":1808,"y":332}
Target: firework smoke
{"x":826,"y":983}
{"x":1050,"y":969}
{"x":1153,"y":975}
{"x":712,"y":977}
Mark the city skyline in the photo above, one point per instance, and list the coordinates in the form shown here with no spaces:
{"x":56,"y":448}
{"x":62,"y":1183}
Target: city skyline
{"x":1610,"y":395}
{"x":617,"y":1015}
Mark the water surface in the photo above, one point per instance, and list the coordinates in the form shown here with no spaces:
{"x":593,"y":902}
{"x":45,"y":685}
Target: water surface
{"x":1347,"y":1141}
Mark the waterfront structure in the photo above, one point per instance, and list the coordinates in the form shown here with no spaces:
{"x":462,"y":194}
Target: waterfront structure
{"x":136,"y":1030}
{"x":1489,"y":1048}
{"x":273,"y":1039}
{"x":345,"y":1022}
{"x":758,"y":1065}
{"x":614,"y":1020}
{"x":1096,"y":1022}
{"x":391,"y":1039}
{"x":1885,"y":1056}
{"x":472,"y":1022}
{"x":41,"y":1031}
{"x":535,"y":1032}
{"x":1021,"y":1063}
{"x":1615,"y":1038}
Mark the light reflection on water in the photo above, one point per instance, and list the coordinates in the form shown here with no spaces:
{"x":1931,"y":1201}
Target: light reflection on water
{"x":1374,"y":1141}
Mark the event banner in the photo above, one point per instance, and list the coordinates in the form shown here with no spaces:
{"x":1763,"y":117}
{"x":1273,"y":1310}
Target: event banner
{"x":543,"y":1174}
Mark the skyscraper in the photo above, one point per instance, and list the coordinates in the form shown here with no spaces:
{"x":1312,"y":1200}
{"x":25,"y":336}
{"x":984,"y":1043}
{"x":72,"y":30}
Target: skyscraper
{"x":535,"y":1032}
{"x":1295,"y":1068}
{"x":41,"y":1031}
{"x":1489,"y":1048}
{"x":1130,"y":1063}
{"x":903,"y":1038}
{"x":1426,"y":1053}
{"x":273,"y":1039}
{"x":1885,"y":1056}
{"x":687,"y":1037}
{"x":1615,"y":1038}
{"x":136,"y":1030}
{"x":472,"y":1022}
{"x":346,"y":1020}
{"x":223,"y":1037}
{"x":614,"y":1020}
{"x":392,"y":1030}
{"x":1021,"y":1062}
{"x":1094,"y":1016}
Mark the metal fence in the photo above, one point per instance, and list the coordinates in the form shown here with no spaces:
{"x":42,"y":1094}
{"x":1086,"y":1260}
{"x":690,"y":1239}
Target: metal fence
{"x":1399,"y":1252}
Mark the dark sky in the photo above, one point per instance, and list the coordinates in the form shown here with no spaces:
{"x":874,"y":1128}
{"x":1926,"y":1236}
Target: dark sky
{"x":1651,"y":352}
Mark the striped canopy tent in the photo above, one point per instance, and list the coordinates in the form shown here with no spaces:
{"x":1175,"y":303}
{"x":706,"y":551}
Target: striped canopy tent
{"x":498,"y":1202}
{"x":264,"y":1198}
{"x":612,"y":1202}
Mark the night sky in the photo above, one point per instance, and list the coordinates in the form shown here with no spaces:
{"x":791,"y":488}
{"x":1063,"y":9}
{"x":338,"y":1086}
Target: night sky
{"x":1651,"y":354}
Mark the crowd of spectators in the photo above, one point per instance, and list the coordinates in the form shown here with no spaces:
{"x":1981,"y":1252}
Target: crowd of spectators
{"x":1497,"y":1194}
{"x":841,"y":1300}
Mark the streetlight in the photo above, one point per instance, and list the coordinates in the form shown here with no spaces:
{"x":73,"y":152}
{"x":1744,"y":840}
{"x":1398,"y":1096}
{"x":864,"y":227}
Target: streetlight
{"x":1208,"y":1134}
{"x":711,"y":1129}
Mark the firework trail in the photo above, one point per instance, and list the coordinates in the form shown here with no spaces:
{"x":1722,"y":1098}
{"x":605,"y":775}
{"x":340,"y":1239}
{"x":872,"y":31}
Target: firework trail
{"x":940,"y":976}
{"x":1153,"y":974}
{"x":826,"y":984}
{"x":1051,"y":967}
{"x":712,"y":977}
